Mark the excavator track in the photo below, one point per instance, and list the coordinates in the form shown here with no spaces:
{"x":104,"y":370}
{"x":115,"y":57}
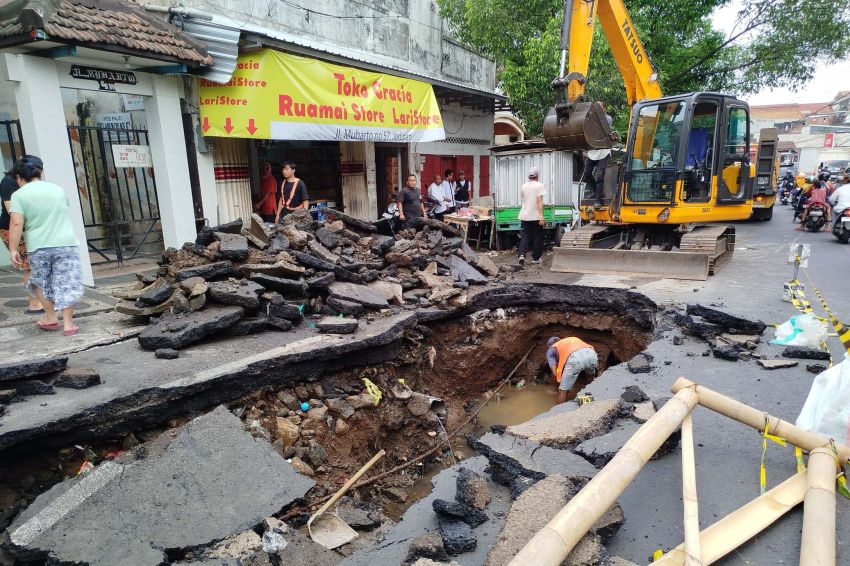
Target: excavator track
{"x":597,"y":248}
{"x":718,"y":241}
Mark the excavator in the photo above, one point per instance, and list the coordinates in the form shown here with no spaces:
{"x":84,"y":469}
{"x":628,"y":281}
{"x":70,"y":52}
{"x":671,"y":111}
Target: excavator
{"x":686,"y":161}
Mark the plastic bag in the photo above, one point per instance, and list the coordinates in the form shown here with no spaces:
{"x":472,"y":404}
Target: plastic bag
{"x":827,"y":409}
{"x":273,"y":542}
{"x":801,"y":330}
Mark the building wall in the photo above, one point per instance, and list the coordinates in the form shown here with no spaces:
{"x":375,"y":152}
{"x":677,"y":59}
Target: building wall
{"x":406,"y":34}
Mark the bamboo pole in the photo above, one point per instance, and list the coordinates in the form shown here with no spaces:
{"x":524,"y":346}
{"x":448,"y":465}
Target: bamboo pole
{"x":749,"y":416}
{"x":554,"y":542}
{"x":693,"y":555}
{"x":743,"y":523}
{"x":817,"y":547}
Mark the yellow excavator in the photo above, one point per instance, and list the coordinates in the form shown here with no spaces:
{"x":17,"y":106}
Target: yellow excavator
{"x":686,"y":161}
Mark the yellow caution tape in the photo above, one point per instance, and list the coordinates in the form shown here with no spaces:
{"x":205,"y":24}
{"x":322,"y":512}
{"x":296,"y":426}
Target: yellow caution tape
{"x":841,"y":485}
{"x":657,"y":555}
{"x":841,"y":329}
{"x":762,"y":468}
{"x":373,"y":390}
{"x":801,"y":463}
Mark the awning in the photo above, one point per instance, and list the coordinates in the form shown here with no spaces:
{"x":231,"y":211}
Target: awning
{"x":276,"y":95}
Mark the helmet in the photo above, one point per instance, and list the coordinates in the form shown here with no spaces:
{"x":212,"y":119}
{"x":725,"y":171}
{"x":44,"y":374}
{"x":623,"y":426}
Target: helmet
{"x":824,"y":176}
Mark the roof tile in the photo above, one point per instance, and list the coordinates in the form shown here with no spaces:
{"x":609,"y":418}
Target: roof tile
{"x":120,"y":23}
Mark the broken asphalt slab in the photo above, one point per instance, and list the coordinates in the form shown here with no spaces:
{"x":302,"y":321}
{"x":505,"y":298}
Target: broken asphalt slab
{"x":420,"y":519}
{"x":139,"y":390}
{"x":32,"y":368}
{"x":511,"y":456}
{"x":177,"y":492}
{"x":561,"y":428}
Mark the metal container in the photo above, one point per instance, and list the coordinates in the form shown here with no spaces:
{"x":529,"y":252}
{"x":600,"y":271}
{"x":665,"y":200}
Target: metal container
{"x":512,"y":163}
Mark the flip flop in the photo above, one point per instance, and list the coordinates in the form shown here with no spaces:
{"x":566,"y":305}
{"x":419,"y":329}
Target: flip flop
{"x":54,"y":326}
{"x":72,"y":331}
{"x":34,"y":311}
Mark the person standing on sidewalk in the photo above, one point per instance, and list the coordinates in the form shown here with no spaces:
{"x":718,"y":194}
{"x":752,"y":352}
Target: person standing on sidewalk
{"x":449,"y":191}
{"x":266,"y":207}
{"x":531,"y":216}
{"x":435,"y":193}
{"x":463,"y":190}
{"x":7,"y":188}
{"x":40,"y":210}
{"x":293,"y":193}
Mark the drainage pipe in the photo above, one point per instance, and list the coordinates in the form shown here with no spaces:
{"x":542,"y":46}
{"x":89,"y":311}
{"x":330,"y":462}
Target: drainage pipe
{"x":551,"y":545}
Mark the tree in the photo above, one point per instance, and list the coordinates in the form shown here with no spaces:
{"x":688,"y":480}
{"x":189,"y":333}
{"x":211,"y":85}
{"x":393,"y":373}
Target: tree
{"x":773,"y":42}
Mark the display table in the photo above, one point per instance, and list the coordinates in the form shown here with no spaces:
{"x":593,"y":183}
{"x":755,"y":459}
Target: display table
{"x":463,"y":223}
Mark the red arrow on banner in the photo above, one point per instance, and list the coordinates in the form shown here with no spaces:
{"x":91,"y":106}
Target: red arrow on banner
{"x":228,"y":125}
{"x":251,"y":127}
{"x":206,"y":124}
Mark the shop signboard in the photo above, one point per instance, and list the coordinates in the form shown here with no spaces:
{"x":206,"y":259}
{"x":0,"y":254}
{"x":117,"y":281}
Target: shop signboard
{"x":279,"y":96}
{"x":129,"y":156}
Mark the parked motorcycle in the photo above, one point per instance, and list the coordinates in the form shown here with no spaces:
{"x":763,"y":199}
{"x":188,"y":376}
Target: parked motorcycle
{"x":841,"y":228}
{"x":816,"y":217}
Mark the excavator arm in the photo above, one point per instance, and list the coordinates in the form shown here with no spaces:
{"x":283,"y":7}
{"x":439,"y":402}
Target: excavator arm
{"x":573,"y":123}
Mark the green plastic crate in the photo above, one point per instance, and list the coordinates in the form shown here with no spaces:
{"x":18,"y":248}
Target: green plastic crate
{"x":507,"y":218}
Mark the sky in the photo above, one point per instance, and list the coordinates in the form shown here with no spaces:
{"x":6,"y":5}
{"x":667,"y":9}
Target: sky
{"x":827,"y":81}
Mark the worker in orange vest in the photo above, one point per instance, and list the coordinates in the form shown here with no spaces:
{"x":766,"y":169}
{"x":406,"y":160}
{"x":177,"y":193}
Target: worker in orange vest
{"x":567,"y":359}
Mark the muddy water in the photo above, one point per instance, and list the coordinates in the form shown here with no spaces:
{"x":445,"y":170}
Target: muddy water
{"x":510,"y":406}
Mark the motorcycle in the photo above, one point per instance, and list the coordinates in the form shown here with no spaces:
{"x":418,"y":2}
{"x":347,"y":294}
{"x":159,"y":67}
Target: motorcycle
{"x":816,"y":217}
{"x":841,"y":228}
{"x":785,"y":195}
{"x":798,"y":202}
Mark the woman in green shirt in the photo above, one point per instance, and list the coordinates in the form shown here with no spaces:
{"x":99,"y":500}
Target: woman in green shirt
{"x":40,"y":209}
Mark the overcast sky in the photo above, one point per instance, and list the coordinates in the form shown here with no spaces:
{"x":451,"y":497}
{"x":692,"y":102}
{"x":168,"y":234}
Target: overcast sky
{"x":827,"y":81}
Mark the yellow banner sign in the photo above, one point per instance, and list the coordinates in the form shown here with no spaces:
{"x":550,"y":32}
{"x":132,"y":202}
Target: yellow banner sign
{"x":275,"y":95}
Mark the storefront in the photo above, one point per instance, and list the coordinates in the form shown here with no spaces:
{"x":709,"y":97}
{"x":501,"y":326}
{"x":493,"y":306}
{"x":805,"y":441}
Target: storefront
{"x":354,"y":134}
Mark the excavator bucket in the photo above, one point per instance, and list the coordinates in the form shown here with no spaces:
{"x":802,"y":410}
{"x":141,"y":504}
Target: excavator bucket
{"x":577,"y":125}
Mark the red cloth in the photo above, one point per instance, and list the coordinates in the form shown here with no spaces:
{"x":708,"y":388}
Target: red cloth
{"x":268,"y":186}
{"x":817,"y":196}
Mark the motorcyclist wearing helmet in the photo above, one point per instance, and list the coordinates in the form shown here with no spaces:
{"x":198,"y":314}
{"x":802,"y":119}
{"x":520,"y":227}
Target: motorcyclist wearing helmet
{"x":817,"y":196}
{"x":840,"y":199}
{"x":827,"y":184}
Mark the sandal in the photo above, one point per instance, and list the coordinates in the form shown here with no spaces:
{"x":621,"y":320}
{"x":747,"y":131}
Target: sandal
{"x":44,"y":326}
{"x":72,"y":331}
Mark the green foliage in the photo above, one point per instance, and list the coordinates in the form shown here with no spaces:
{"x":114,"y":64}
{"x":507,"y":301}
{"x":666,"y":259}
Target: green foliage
{"x":775,"y":42}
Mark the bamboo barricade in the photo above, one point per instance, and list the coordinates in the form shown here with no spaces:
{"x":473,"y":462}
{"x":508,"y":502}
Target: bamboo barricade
{"x":743,"y":523}
{"x":818,"y":543}
{"x":693,"y":555}
{"x":551,"y":545}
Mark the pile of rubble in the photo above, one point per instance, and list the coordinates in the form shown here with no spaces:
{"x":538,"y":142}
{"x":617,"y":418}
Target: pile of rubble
{"x":41,"y":377}
{"x":247,"y":277}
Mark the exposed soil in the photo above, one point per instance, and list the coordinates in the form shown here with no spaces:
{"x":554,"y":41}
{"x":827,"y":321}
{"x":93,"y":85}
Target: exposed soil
{"x":458,"y":361}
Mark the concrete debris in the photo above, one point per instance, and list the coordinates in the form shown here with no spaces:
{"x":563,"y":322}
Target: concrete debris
{"x":430,"y":546}
{"x":815,"y":368}
{"x":742,"y":341}
{"x":234,"y":247}
{"x":600,"y":449}
{"x":77,"y":378}
{"x":804,"y":353}
{"x":359,"y":515}
{"x":290,"y":288}
{"x":340,"y":408}
{"x":462,"y":271}
{"x":777,"y":364}
{"x":454,"y":510}
{"x":175,"y":492}
{"x":33,"y":368}
{"x":634,"y":394}
{"x":643,"y":412}
{"x":359,"y":294}
{"x":155,"y":294}
{"x":337,"y":325}
{"x":725,"y":352}
{"x":396,"y":494}
{"x":535,"y":507}
{"x":565,"y":428}
{"x":511,"y":457}
{"x":732,"y":324}
{"x":639,"y":364}
{"x":457,"y":537}
{"x":472,"y":489}
{"x":302,"y":467}
{"x":178,"y":331}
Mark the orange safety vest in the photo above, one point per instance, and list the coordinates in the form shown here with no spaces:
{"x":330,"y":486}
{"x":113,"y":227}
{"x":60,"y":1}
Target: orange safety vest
{"x":565,"y":347}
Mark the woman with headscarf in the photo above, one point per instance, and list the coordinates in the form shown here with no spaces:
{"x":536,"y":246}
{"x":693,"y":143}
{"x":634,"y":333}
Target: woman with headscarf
{"x":40,"y":210}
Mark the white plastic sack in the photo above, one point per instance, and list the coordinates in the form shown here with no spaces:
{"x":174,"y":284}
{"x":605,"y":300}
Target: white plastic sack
{"x":827,"y":409}
{"x":801,"y":330}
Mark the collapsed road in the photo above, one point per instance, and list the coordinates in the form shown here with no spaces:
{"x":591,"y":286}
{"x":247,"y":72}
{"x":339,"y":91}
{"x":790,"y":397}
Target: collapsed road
{"x":522,"y":465}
